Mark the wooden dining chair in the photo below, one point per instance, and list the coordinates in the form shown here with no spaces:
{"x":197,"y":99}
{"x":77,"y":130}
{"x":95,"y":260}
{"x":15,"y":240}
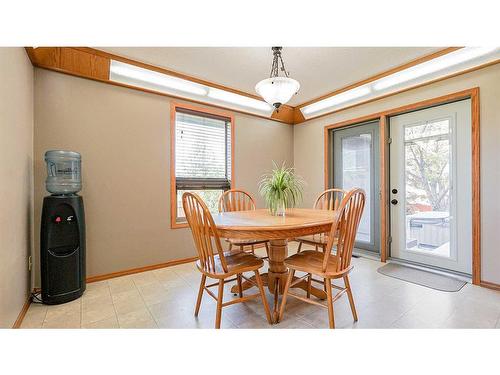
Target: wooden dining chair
{"x":328,"y":200}
{"x":240,"y":200}
{"x":214,"y":264}
{"x":326,"y":265}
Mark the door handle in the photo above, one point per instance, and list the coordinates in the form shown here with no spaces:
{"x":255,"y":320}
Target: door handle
{"x":394,"y":201}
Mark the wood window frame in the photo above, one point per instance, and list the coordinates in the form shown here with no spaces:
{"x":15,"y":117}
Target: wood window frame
{"x":173,"y":189}
{"x":383,"y":119}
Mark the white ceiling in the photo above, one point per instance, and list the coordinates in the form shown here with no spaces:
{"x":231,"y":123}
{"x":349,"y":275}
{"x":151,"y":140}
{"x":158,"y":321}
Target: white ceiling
{"x":319,"y":70}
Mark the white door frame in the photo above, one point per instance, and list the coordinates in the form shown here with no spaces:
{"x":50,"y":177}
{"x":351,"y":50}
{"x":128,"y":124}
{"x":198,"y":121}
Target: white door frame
{"x":460,"y":242}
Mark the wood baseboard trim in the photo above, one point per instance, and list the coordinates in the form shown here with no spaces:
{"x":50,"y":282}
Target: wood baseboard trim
{"x":22,"y":314}
{"x":131,"y":271}
{"x":487,"y":284}
{"x":112,"y":275}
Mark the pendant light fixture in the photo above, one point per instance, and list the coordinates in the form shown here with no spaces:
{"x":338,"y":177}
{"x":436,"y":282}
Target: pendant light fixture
{"x":277,"y":90}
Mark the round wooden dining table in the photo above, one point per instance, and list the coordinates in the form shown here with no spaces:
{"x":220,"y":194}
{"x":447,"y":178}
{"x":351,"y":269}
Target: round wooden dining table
{"x":260,"y":224}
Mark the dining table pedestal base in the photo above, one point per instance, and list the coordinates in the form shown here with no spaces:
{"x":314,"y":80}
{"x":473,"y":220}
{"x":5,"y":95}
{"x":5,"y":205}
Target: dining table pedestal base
{"x":275,"y":278}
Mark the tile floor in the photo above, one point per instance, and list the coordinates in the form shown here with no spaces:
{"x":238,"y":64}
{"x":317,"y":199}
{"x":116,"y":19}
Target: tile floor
{"x":165,"y":298}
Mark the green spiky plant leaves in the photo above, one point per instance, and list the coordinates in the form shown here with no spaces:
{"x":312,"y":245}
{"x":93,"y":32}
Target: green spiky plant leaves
{"x":281,"y":189}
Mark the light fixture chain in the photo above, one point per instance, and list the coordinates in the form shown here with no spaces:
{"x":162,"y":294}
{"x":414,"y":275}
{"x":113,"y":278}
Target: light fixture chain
{"x":283,"y":66}
{"x":275,"y":67}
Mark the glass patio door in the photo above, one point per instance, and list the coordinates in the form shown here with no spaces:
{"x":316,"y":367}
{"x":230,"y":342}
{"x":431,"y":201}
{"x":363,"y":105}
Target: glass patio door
{"x":430,"y":187}
{"x":356,"y":165}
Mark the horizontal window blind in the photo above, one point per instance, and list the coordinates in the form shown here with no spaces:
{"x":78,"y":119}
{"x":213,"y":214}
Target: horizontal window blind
{"x":202,"y":184}
{"x":202,"y":152}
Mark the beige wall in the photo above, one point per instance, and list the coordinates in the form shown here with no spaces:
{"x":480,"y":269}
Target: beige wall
{"x":308,"y":150}
{"x":123,"y":136}
{"x":16,"y":188}
{"x":124,"y":139}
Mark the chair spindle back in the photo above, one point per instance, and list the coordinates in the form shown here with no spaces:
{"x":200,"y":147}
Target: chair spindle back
{"x":204,"y":232}
{"x":345,"y":228}
{"x":329,"y":199}
{"x":236,"y":200}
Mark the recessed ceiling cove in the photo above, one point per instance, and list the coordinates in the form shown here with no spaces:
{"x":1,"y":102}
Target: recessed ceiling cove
{"x":320,"y":70}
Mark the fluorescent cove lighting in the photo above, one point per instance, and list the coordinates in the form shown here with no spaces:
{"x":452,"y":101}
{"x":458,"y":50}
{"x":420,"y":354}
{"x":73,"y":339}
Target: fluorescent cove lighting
{"x":454,"y":62}
{"x":133,"y":75}
{"x":432,"y":66}
{"x":240,"y":100}
{"x":335,"y":100}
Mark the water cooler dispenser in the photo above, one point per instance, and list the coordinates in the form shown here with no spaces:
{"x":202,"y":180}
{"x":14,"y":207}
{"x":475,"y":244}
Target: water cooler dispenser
{"x":62,"y":235}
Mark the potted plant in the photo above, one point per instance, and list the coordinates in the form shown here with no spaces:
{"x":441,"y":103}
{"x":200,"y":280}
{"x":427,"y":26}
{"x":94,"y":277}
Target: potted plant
{"x":281,"y":189}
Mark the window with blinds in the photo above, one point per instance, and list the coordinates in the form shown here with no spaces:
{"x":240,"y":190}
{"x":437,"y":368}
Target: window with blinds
{"x":202,"y":157}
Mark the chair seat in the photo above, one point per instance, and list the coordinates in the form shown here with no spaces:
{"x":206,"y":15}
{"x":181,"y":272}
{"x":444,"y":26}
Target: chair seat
{"x":240,"y":242}
{"x":311,"y":261}
{"x":236,"y":263}
{"x":316,"y":239}
{"x":313,"y":239}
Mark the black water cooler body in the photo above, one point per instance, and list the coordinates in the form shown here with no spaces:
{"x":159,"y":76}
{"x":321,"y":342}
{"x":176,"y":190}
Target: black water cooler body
{"x":62,"y":248}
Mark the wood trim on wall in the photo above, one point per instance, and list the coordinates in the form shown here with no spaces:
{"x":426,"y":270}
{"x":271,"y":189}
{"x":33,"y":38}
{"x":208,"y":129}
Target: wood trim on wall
{"x":476,"y":188}
{"x":171,"y":263}
{"x":94,"y":64}
{"x":71,"y":61}
{"x":487,"y":284}
{"x":284,"y":113}
{"x":383,"y":118}
{"x":173,"y":190}
{"x":22,"y":314}
{"x":131,"y":271}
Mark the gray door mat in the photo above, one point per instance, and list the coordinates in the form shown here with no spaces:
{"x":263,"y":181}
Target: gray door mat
{"x":421,"y":277}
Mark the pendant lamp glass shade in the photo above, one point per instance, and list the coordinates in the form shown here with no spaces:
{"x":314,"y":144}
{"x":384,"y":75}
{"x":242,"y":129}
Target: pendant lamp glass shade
{"x":277,"y":90}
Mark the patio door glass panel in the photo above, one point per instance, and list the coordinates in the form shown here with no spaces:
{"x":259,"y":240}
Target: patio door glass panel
{"x":431,"y":188}
{"x":356,"y":159}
